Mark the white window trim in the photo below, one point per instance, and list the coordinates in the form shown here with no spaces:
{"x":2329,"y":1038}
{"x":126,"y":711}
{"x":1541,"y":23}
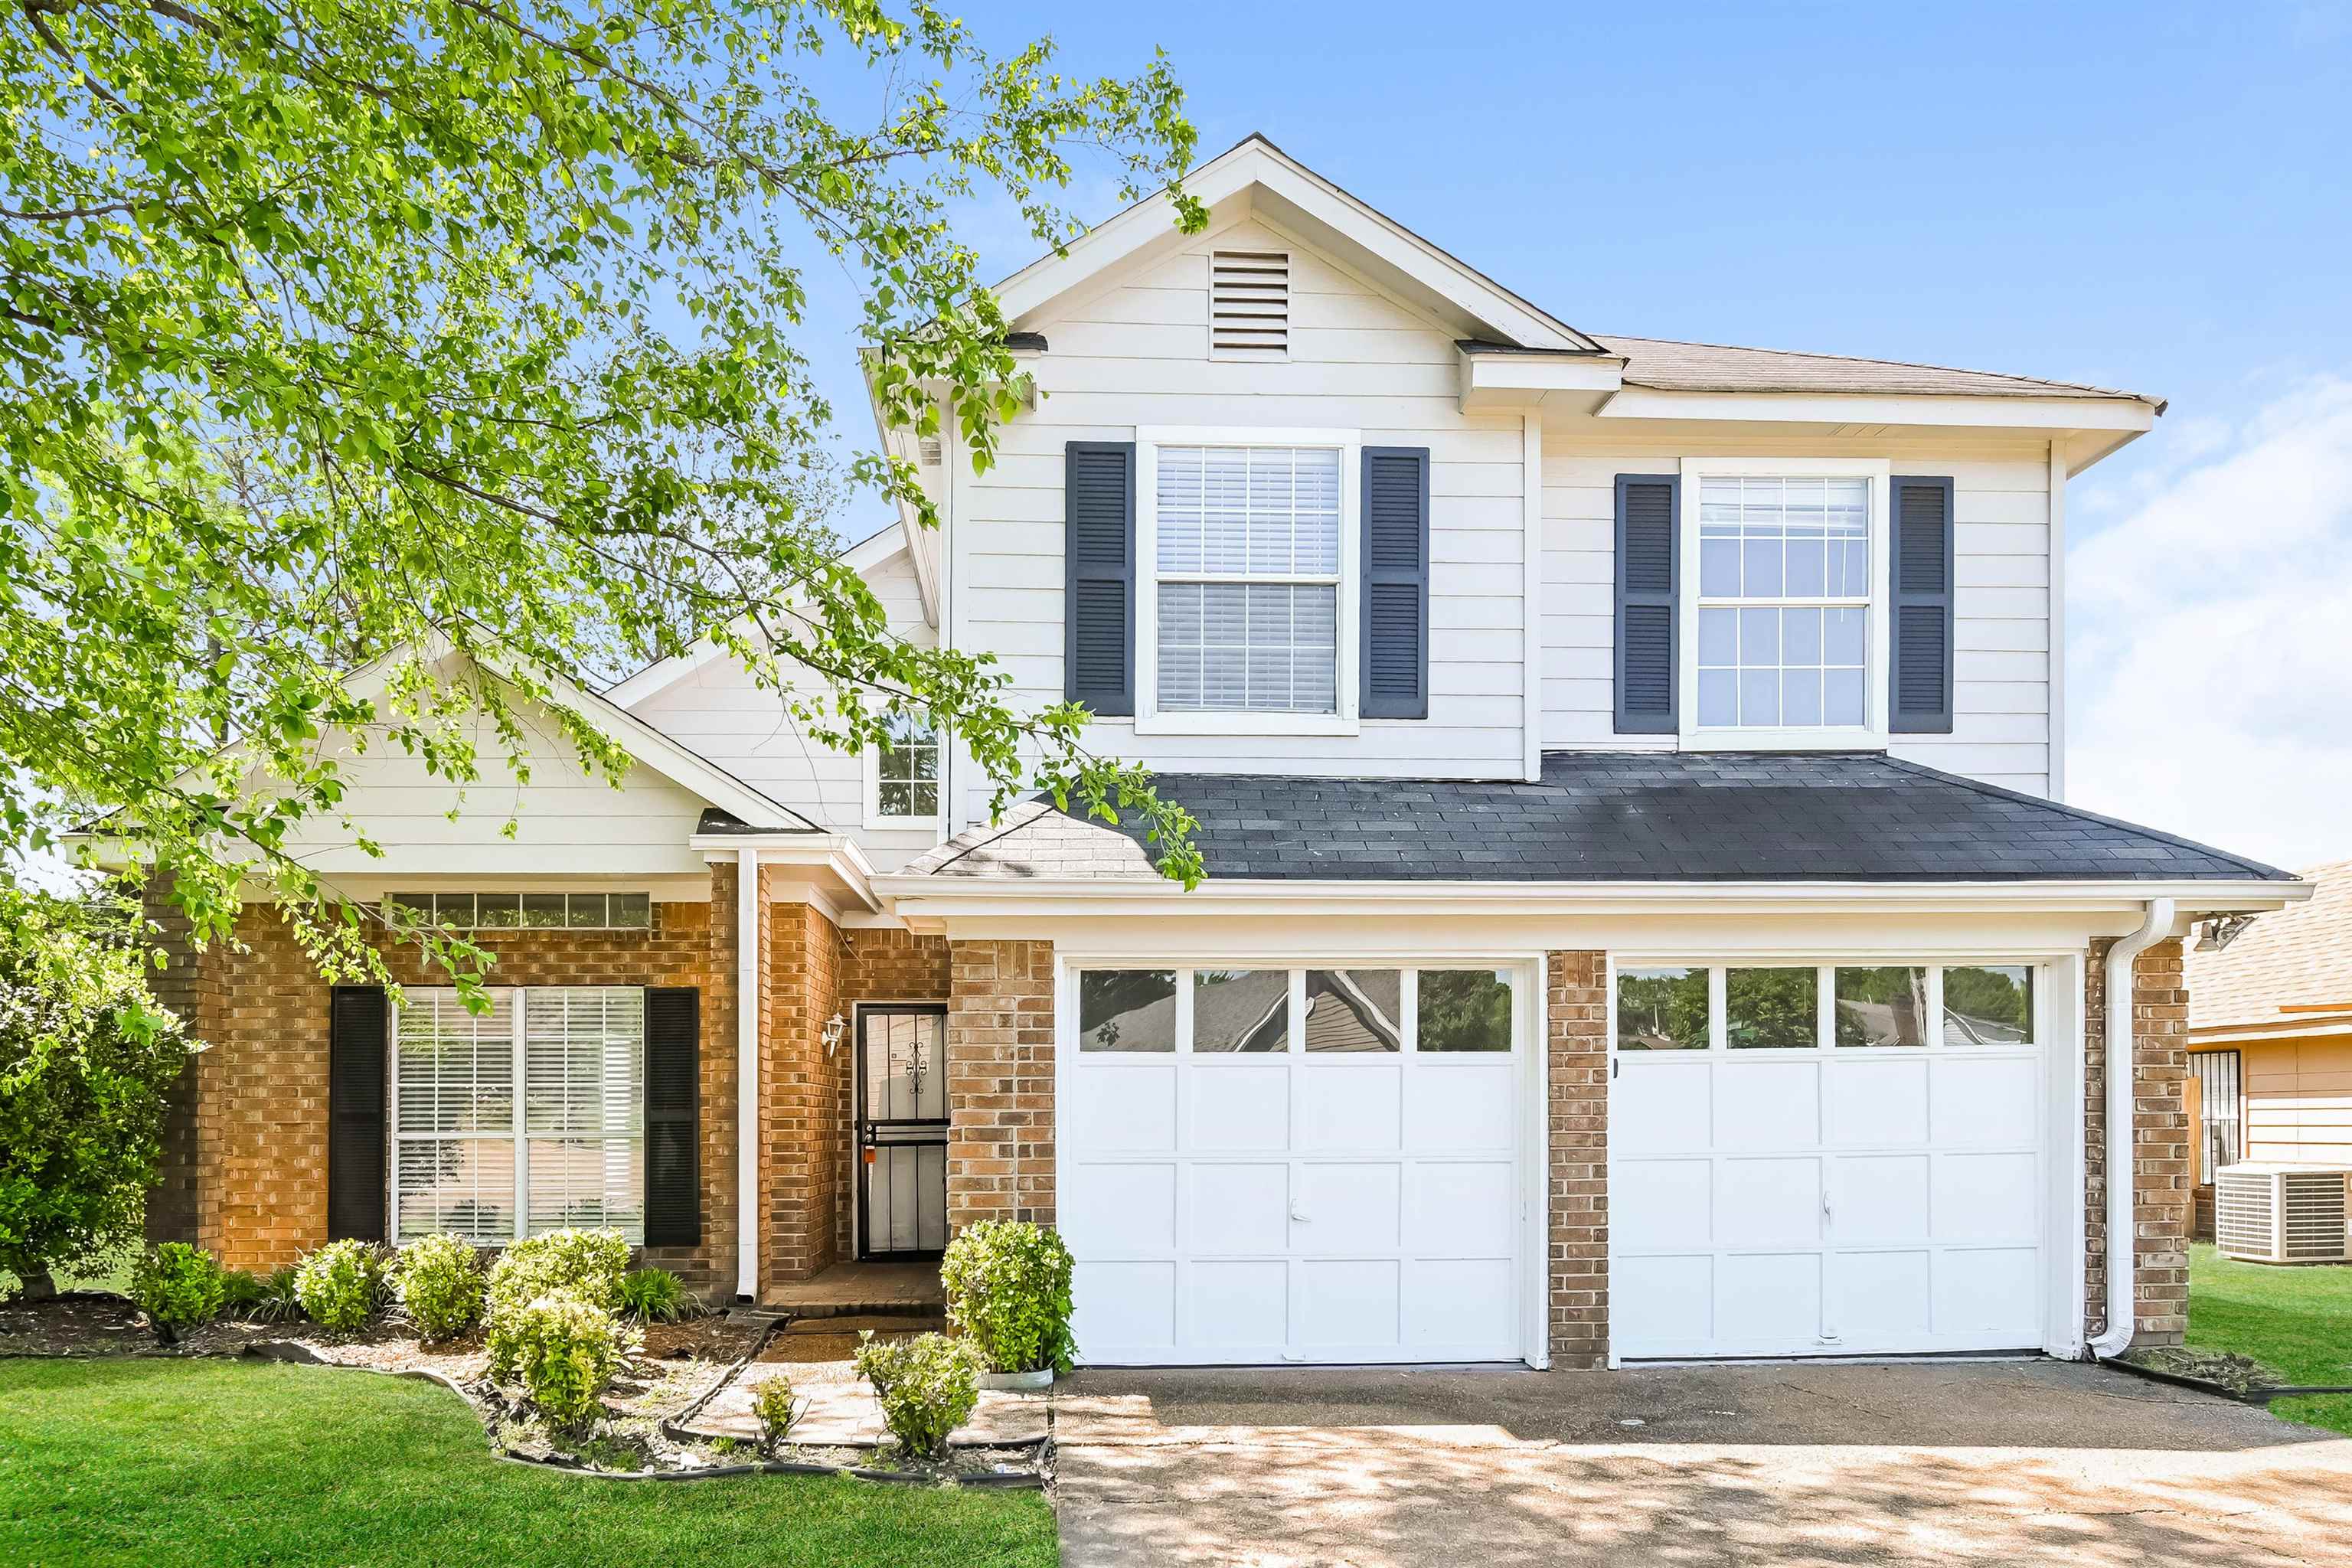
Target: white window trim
{"x":1873,"y":735}
{"x":876,"y":821}
{"x":1149,"y":719}
{"x":517,"y":1131}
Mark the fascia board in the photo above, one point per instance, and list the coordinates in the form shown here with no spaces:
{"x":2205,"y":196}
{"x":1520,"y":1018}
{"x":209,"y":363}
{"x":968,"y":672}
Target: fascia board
{"x":2042,"y":414}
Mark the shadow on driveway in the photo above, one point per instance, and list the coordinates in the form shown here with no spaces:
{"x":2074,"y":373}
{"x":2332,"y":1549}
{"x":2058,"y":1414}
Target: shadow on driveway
{"x":2029,"y":1463}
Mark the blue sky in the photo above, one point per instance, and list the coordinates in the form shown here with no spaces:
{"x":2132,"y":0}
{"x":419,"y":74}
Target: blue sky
{"x":2152,"y":196}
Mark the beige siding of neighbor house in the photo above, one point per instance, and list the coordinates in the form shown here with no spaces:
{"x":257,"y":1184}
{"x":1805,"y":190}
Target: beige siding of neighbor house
{"x":1136,"y":353}
{"x":2299,"y":1100}
{"x":720,"y":712}
{"x":2000,"y":729}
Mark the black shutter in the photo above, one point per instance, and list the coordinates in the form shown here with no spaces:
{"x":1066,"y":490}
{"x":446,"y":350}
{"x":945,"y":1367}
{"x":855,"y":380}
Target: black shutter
{"x":1648,"y":540}
{"x":1919,"y":640}
{"x":1098,"y":576}
{"x":673,"y":1116}
{"x":1394,"y":638}
{"x":359,"y":1038}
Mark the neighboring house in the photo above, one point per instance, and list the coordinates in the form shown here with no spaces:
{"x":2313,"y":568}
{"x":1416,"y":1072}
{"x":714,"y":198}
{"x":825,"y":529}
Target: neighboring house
{"x":1639,"y":921}
{"x":2270,"y":1030}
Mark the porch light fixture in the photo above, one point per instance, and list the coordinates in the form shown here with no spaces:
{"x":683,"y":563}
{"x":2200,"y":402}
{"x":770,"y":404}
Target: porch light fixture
{"x":833,"y":1029}
{"x":2218,"y":932}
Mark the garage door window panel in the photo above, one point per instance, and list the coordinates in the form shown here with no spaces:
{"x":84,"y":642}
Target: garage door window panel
{"x":1244,"y":1010}
{"x":1355,"y":1010}
{"x":1771,"y":1009}
{"x":1462,"y":1010}
{"x":1663,"y":1009}
{"x":1126,"y":1010}
{"x":1886,"y":1006}
{"x":1989,"y":1005}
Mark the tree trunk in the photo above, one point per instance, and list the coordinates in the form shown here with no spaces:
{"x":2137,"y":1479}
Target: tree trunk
{"x":38,"y":1285}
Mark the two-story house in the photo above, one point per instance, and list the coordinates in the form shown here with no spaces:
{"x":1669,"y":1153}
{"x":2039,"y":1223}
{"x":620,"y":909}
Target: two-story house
{"x":1642,"y":919}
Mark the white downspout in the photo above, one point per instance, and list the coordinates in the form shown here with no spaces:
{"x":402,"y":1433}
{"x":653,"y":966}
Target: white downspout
{"x":2123,"y":1299}
{"x":747,"y":1074}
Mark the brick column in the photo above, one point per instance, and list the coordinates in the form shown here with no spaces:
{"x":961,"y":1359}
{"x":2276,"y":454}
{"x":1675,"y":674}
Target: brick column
{"x":999,"y":1082}
{"x":1576,"y":1038}
{"x":2162,"y":1199}
{"x":802,"y":968}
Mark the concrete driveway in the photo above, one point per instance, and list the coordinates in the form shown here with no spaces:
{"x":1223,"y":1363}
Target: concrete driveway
{"x":2017,"y":1462}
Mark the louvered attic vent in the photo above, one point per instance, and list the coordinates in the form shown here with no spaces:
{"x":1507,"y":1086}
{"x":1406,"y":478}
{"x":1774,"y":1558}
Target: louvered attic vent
{"x":1249,"y":304}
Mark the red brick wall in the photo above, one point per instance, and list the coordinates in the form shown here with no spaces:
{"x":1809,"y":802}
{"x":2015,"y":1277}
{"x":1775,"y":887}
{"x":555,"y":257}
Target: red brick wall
{"x":1576,"y":1037}
{"x":2162,"y":1200}
{"x":256,"y":1181}
{"x":999,"y":1082}
{"x":802,"y":1102}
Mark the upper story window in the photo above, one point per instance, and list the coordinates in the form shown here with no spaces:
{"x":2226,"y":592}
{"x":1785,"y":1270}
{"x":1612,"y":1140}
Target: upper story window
{"x":1785,"y":616}
{"x":902,"y":782}
{"x":1245,"y":599}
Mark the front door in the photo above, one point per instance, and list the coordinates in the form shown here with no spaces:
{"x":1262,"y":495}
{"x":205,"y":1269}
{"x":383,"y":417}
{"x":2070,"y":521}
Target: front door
{"x":902,"y":1131}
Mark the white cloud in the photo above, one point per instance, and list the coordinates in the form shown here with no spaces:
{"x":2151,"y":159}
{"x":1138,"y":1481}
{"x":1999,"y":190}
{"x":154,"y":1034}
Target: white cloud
{"x":2209,"y":641}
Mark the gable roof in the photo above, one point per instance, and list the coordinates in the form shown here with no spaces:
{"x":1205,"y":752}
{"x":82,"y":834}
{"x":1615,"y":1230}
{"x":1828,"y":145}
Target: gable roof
{"x":1297,"y":198}
{"x":1609,"y":816}
{"x":2298,"y":957}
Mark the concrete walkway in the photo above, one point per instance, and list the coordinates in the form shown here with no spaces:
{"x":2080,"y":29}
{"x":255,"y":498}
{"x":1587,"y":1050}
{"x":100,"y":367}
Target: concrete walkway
{"x":2009,"y":1463}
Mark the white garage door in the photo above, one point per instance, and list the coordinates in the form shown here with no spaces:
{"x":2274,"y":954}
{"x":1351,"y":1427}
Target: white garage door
{"x":1827,"y":1161}
{"x":1265,"y":1166}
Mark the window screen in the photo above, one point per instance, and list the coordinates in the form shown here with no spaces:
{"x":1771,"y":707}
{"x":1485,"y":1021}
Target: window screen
{"x":1248,"y":567}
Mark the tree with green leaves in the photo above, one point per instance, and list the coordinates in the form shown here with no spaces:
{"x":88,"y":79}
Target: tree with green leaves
{"x":461,"y":342}
{"x":86,"y":1058}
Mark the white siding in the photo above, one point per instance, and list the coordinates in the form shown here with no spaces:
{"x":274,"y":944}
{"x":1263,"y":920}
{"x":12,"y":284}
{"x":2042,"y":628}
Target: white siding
{"x":719,"y":713}
{"x":2001,"y":633}
{"x":567,"y":820}
{"x":1136,"y":353}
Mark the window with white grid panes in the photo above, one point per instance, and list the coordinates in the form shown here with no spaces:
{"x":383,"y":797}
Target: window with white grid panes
{"x":1784,"y":603}
{"x":1247,"y":565}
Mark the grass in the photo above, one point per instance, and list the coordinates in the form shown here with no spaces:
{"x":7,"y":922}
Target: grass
{"x":2297,"y":1322}
{"x":200,"y":1463}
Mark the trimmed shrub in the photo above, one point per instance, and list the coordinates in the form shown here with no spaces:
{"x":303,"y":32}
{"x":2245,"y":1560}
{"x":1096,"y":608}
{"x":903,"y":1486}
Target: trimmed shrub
{"x":1008,"y":1287}
{"x":280,"y":1300}
{"x":926,"y":1386}
{"x":179,"y":1287}
{"x":340,"y":1285}
{"x":565,"y":1350}
{"x":587,"y":1263}
{"x":654,"y":1296}
{"x":441,"y":1284}
{"x":773,"y":1407}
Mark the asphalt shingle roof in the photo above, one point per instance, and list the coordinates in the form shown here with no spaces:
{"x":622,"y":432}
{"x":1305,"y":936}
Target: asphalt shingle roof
{"x":2300,"y":956}
{"x":1610,"y":817}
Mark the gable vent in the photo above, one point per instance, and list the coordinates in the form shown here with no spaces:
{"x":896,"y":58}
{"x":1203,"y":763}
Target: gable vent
{"x":1249,"y":304}
{"x":932,"y":450}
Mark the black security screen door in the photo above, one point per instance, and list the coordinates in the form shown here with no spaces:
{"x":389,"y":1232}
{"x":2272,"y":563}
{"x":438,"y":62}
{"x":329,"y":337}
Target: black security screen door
{"x":902,"y":1131}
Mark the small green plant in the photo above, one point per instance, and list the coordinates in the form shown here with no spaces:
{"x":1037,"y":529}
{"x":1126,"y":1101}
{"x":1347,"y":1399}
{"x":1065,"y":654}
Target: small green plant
{"x":654,"y":1296}
{"x":773,"y":1407}
{"x":565,"y":1350}
{"x":587,"y":1263}
{"x":280,"y":1300}
{"x":241,"y":1291}
{"x":441,"y":1284}
{"x":926,"y":1386}
{"x":1008,"y":1287}
{"x":340,"y":1285}
{"x":724,"y":1447}
{"x":179,"y":1287}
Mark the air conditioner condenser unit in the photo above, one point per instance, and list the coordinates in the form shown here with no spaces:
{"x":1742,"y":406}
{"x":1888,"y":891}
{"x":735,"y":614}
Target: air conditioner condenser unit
{"x":2283,"y":1214}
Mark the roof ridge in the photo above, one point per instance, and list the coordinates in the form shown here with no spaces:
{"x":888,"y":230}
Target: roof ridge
{"x":1002,"y":832}
{"x":1868,"y":359}
{"x":1998,"y":791}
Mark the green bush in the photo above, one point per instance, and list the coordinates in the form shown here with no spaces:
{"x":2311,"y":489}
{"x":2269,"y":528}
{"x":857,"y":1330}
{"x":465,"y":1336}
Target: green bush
{"x":280,"y":1297}
{"x":340,"y":1285}
{"x":565,"y":1350}
{"x":927,"y":1385}
{"x":179,"y":1287}
{"x":587,"y":1263}
{"x":654,"y":1296}
{"x":1008,"y":1287}
{"x":773,"y":1407}
{"x":441,"y":1284}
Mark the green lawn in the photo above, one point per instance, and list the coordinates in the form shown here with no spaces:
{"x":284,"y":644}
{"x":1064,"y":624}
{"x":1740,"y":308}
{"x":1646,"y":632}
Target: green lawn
{"x":209,"y":1462}
{"x":2297,"y":1322}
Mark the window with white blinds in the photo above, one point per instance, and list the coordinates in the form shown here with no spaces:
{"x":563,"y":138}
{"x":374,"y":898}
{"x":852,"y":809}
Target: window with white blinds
{"x":472,"y":1157}
{"x":1247,"y":578}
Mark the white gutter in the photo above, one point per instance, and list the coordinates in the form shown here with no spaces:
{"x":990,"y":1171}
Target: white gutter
{"x":2123,"y":1301}
{"x":747,"y":1073}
